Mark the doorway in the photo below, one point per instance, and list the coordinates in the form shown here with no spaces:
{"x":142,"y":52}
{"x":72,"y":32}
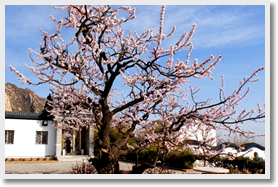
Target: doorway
{"x":74,"y":142}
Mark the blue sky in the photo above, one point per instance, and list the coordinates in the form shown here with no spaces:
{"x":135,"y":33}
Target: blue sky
{"x":235,"y":32}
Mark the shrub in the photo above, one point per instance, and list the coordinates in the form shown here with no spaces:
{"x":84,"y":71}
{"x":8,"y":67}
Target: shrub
{"x":28,"y":159}
{"x":83,"y":168}
{"x":242,"y":165}
{"x":180,"y":159}
{"x":42,"y":159}
{"x":147,"y":155}
{"x":53,"y":158}
{"x":157,"y":170}
{"x":176,"y":158}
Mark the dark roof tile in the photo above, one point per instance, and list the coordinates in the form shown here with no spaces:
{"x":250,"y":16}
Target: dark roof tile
{"x":26,"y":115}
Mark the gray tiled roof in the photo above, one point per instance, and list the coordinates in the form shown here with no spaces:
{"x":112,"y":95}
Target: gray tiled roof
{"x":26,"y":115}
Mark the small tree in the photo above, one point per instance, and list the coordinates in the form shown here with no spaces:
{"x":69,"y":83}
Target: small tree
{"x":85,"y":73}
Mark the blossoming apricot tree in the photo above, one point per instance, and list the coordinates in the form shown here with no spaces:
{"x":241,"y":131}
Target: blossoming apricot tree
{"x":127,"y":81}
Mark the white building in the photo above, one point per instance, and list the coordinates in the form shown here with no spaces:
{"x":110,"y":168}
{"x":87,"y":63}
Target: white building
{"x":201,"y":133}
{"x":33,"y":135}
{"x":250,"y":153}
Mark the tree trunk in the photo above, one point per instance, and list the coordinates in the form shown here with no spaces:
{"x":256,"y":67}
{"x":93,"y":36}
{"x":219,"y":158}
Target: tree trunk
{"x":105,"y":165}
{"x":106,"y":160}
{"x":107,"y":155}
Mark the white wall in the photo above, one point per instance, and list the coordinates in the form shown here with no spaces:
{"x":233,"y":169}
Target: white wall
{"x":201,"y":132}
{"x":25,"y":138}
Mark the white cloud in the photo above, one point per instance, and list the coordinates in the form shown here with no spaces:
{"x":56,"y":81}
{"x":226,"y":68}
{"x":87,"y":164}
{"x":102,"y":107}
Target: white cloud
{"x":217,"y":26}
{"x":147,"y":17}
{"x":227,"y":37}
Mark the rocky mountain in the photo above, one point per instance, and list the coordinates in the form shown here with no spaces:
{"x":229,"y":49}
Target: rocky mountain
{"x":25,"y":100}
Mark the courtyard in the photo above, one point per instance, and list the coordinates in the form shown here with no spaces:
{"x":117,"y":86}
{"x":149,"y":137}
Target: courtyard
{"x":59,"y":167}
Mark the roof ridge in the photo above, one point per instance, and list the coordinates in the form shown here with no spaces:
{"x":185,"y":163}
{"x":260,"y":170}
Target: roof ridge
{"x":26,"y":115}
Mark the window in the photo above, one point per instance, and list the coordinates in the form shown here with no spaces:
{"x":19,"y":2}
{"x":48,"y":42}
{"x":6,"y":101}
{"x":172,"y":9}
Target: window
{"x":9,"y":137}
{"x":41,"y":137}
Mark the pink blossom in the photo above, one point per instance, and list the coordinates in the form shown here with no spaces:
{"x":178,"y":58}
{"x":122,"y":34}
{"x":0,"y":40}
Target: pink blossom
{"x":12,"y":68}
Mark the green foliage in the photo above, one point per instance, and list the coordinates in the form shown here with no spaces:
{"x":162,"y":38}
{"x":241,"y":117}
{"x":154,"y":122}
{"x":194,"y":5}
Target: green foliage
{"x":115,"y":135}
{"x":242,"y":164}
{"x":176,"y":158}
{"x":180,"y":159}
{"x":147,"y":155}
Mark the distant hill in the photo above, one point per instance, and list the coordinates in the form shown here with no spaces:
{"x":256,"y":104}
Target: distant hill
{"x":25,"y":100}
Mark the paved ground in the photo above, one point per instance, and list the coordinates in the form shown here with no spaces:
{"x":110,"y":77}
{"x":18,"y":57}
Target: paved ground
{"x":61,"y":167}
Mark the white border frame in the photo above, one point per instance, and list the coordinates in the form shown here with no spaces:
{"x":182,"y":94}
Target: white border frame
{"x":166,"y":176}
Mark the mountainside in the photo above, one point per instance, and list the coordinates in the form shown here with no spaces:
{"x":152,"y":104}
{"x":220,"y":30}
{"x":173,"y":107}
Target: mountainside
{"x":25,"y":100}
